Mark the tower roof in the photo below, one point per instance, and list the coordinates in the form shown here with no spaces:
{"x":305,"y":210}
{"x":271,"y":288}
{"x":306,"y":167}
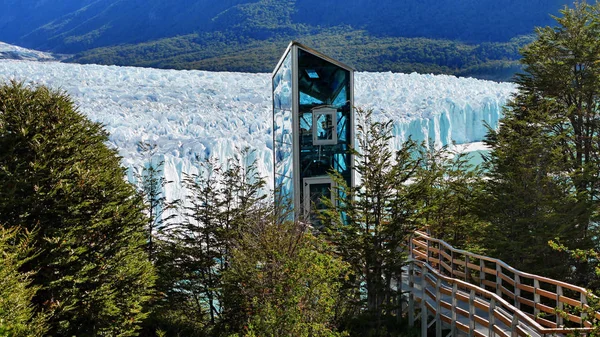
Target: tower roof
{"x":313,"y":52}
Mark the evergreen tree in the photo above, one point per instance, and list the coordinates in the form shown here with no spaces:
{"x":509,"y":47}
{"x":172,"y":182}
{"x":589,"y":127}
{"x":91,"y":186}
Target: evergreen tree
{"x":58,"y":177}
{"x":371,"y":221}
{"x":17,"y":314}
{"x":544,"y":163}
{"x":450,"y":186}
{"x":151,"y":185}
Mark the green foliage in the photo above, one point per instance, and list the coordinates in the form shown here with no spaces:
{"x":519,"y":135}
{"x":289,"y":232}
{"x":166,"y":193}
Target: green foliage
{"x":18,"y":317}
{"x":283,"y":281}
{"x":544,"y":164}
{"x":57,"y":177}
{"x":151,"y":183}
{"x":450,"y":188}
{"x":229,"y":51}
{"x":371,"y":221}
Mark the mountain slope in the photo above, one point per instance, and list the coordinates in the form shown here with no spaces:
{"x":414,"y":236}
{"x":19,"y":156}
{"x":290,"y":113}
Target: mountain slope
{"x":69,"y":26}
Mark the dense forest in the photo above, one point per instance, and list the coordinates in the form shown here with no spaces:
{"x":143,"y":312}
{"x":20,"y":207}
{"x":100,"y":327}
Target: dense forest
{"x":229,"y":52}
{"x":469,"y":38}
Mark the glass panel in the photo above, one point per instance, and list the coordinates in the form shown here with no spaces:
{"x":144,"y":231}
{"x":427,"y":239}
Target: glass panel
{"x":306,"y":99}
{"x":285,"y":186}
{"x":278,"y":125}
{"x":287,"y":127}
{"x":321,"y":82}
{"x":282,"y":85}
{"x":342,"y":127}
{"x":341,"y":99}
{"x":317,"y":191}
{"x":324,"y":126}
{"x":284,"y":159}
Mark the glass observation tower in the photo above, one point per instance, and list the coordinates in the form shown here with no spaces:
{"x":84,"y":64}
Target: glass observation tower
{"x":313,"y":100}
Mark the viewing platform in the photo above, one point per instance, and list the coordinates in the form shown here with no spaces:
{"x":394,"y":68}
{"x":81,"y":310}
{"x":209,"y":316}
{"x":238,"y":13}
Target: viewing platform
{"x":475,"y":295}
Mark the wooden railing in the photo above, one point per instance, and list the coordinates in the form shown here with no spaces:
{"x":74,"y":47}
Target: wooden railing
{"x":526,"y":300}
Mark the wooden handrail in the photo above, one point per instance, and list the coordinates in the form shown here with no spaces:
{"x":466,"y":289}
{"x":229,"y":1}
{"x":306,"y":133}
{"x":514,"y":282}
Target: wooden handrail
{"x":443,"y":258}
{"x":453,"y":284}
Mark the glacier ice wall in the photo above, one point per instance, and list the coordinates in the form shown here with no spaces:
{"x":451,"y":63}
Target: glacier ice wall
{"x":191,"y":115}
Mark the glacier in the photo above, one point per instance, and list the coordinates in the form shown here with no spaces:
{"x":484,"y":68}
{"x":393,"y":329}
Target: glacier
{"x":191,"y":115}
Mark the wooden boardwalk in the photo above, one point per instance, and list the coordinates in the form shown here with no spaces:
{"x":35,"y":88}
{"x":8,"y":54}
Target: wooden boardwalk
{"x":475,"y":295}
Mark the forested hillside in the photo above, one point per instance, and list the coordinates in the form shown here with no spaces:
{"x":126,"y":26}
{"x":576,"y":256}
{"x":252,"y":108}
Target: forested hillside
{"x":475,"y":38}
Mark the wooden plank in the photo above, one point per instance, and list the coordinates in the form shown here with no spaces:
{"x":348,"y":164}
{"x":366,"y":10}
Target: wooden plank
{"x":499,"y":316}
{"x":430,"y":307}
{"x":481,"y":320}
{"x":546,"y":323}
{"x":462,"y":327}
{"x":458,"y":274}
{"x":447,"y":256}
{"x":507,"y":292}
{"x":446,"y":305}
{"x":526,"y":301}
{"x":479,"y":334}
{"x":500,"y":332}
{"x":573,"y":318}
{"x":473,"y":266}
{"x":445,"y":291}
{"x":418,"y":243}
{"x":446,"y":319}
{"x":489,"y":270}
{"x":489,"y":283}
{"x":569,"y":301}
{"x":507,"y":279}
{"x":433,"y":250}
{"x":447,"y":267}
{"x":545,"y":308}
{"x":459,"y":262}
{"x":433,"y":260}
{"x":546,"y":293}
{"x":522,"y":332}
{"x":526,"y":287}
{"x":419,"y":255}
{"x":462,"y":312}
{"x":481,"y":305}
{"x":430,"y":293}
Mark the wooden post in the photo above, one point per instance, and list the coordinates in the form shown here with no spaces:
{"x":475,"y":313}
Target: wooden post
{"x":498,"y":279}
{"x":513,"y":326}
{"x":427,"y":256}
{"x":583,"y":300}
{"x":536,"y":297}
{"x":452,"y":263}
{"x":438,"y":308}
{"x":559,"y":305}
{"x":481,"y":273}
{"x":424,"y":299}
{"x":472,"y":313}
{"x":411,"y":295}
{"x":491,"y":318}
{"x":467,"y":268}
{"x":454,"y":305}
{"x":517,"y":291}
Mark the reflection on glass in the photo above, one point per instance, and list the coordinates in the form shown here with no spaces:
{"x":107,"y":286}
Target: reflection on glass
{"x":282,"y":85}
{"x":324,"y":127}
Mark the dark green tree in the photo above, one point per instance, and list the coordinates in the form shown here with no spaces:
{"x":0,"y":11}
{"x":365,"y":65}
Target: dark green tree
{"x":18,"y":317}
{"x":371,"y":221}
{"x":151,"y":183}
{"x":544,"y":165}
{"x":58,"y":177}
{"x":450,"y":186}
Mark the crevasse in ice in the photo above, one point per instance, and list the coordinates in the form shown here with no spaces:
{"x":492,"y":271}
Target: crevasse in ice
{"x":190,"y":115}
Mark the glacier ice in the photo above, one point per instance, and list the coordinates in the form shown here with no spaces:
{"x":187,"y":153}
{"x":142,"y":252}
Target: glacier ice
{"x":194,"y":114}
